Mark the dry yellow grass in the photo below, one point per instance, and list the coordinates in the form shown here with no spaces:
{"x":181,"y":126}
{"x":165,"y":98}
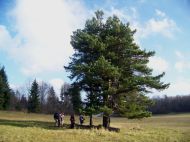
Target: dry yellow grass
{"x":24,"y":127}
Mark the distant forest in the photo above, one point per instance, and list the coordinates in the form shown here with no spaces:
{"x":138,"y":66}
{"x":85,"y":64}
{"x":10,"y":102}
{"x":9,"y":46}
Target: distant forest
{"x":47,"y":100}
{"x":174,"y":104}
{"x":164,"y":105}
{"x":70,"y":100}
{"x":50,"y":103}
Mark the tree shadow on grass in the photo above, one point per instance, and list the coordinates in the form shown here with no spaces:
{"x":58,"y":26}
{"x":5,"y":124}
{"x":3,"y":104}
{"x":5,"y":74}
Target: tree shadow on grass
{"x":49,"y":125}
{"x":31,"y":123}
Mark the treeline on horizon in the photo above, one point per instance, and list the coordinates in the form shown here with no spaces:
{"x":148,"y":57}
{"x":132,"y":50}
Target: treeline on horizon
{"x":37,"y":97}
{"x":170,"y":104}
{"x":47,"y":101}
{"x":42,"y":98}
{"x":50,"y":103}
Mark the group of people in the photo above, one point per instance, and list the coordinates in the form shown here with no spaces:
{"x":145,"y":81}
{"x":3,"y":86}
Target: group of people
{"x":59,"y":119}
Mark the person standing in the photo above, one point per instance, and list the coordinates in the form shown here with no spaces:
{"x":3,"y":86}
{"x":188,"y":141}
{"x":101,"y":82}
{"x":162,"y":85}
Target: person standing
{"x":81,"y":119}
{"x":61,"y":118}
{"x":72,"y":119}
{"x":57,"y":119}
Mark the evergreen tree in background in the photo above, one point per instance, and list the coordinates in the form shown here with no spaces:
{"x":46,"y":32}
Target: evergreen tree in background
{"x":23,"y":103}
{"x":112,"y":69}
{"x":34,"y":100}
{"x":52,"y":101}
{"x":1,"y":93}
{"x":14,"y":101}
{"x":5,"y":91}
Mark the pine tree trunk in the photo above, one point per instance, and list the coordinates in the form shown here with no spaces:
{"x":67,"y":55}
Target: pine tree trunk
{"x":91,"y":122}
{"x":106,"y":121}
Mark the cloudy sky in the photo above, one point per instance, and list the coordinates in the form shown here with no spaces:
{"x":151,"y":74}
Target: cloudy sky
{"x":35,"y":37}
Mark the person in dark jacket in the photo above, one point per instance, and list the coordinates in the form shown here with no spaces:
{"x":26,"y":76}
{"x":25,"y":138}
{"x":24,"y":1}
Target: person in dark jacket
{"x":72,"y":119}
{"x":81,"y":119}
{"x":57,"y":119}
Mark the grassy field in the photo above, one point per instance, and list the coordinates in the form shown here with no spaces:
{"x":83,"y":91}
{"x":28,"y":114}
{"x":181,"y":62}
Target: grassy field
{"x":24,"y":127}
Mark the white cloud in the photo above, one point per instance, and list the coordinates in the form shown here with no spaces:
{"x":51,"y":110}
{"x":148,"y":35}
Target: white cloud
{"x":177,"y":87}
{"x":182,"y":64}
{"x":126,"y":15}
{"x":4,"y":36}
{"x":165,"y":27}
{"x":160,"y":13}
{"x":179,"y":54}
{"x":42,"y":43}
{"x":161,"y":24}
{"x":180,"y":86}
{"x":6,"y":41}
{"x":158,"y":64}
{"x":56,"y":83}
{"x":43,"y":30}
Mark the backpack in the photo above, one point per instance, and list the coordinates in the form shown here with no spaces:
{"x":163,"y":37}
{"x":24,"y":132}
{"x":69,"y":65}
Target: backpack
{"x":56,"y":115}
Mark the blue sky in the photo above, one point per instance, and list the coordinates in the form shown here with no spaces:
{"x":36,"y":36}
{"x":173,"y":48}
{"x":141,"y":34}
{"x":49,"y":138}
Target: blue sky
{"x":35,"y":37}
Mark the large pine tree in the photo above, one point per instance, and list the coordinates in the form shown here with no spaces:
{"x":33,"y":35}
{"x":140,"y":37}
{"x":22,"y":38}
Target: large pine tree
{"x":112,"y":69}
{"x":4,"y":90}
{"x":34,"y":100}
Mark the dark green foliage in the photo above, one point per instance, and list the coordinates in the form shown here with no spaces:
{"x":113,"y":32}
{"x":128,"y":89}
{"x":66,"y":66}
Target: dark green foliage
{"x":1,"y":93}
{"x":107,"y":111}
{"x":34,"y":100}
{"x":76,"y":101}
{"x":111,"y":68}
{"x":133,"y":105}
{"x":5,"y":93}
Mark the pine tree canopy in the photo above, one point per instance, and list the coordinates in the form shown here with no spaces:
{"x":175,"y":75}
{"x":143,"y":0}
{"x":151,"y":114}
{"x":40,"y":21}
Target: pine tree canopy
{"x":109,"y":66}
{"x":34,"y":100}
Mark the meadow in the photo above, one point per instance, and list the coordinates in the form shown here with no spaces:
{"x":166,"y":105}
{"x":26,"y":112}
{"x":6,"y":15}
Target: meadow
{"x":28,"y":127}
